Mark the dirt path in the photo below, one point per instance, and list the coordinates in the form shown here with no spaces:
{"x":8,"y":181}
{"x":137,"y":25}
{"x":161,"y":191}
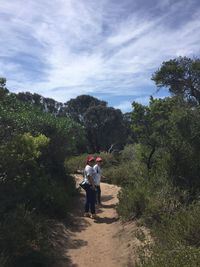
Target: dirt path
{"x":104,"y":242}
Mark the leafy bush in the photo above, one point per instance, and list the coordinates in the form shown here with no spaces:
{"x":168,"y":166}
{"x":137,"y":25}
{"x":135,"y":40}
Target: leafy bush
{"x":129,"y":152}
{"x":178,"y":240}
{"x":75,"y":163}
{"x":29,"y":195}
{"x":132,"y":203}
{"x":23,"y":232}
{"x":18,"y":117}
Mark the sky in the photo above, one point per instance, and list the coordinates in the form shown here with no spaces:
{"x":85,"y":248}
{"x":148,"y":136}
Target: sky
{"x":105,"y":48}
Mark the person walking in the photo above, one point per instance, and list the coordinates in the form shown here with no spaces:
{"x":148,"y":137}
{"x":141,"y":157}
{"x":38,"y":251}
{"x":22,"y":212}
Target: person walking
{"x":90,"y":188}
{"x":97,"y":179}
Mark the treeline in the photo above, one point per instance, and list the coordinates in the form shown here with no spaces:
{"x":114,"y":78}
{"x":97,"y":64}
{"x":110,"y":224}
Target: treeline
{"x":105,"y":127}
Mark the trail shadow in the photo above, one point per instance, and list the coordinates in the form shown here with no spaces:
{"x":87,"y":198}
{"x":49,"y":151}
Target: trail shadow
{"x":105,"y":198}
{"x":109,"y":206}
{"x":64,"y":239}
{"x":65,"y":234}
{"x":75,"y":220}
{"x":65,"y":263}
{"x":106,"y":220}
{"x":99,"y":210}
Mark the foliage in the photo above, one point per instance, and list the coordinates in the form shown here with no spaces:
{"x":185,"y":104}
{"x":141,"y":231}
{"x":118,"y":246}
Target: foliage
{"x":24,"y":238}
{"x":35,"y":189}
{"x":93,"y":114}
{"x":104,"y":126}
{"x":3,"y":90}
{"x":75,"y":163}
{"x":178,"y":240}
{"x":17,"y":117}
{"x":172,"y":128}
{"x":76,"y":108}
{"x":43,"y":103}
{"x":182,"y":77}
{"x":29,"y":197}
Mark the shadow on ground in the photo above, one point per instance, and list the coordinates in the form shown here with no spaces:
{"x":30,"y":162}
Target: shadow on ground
{"x":105,"y":198}
{"x":75,"y":222}
{"x":106,"y":220}
{"x":108,"y":206}
{"x":64,"y":235}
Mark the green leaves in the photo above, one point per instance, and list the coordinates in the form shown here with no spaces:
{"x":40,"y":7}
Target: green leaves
{"x":182,"y":77}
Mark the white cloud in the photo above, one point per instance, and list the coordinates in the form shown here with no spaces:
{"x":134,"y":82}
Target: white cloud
{"x":124,"y":106}
{"x":85,"y":46}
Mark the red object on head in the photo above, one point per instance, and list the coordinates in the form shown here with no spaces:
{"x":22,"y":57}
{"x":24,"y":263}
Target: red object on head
{"x":90,"y":158}
{"x":98,"y":159}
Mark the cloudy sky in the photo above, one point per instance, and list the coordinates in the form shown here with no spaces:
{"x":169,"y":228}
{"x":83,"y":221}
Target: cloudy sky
{"x":105,"y":48}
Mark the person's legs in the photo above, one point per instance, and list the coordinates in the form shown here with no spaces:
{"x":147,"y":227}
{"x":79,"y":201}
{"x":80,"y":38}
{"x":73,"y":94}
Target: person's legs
{"x":87,"y":200}
{"x":92,"y":201}
{"x":98,"y":194}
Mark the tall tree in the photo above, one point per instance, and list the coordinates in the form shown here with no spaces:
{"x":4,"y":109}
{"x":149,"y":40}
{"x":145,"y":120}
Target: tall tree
{"x":104,"y":127}
{"x":76,"y":108}
{"x":150,"y":124}
{"x":182,"y":77}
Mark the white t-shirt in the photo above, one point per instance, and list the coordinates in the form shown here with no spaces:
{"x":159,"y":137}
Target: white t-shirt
{"x":97,"y":176}
{"x":89,"y":171}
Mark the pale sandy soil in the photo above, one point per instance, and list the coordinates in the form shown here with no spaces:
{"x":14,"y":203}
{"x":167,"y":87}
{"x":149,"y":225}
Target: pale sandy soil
{"x":104,"y":242}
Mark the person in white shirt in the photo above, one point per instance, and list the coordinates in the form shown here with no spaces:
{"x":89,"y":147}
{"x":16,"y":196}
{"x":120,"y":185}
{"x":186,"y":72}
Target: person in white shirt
{"x":90,"y":188}
{"x":97,"y":179}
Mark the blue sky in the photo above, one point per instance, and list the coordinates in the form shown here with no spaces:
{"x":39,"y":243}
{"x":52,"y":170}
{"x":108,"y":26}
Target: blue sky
{"x":105,"y":48}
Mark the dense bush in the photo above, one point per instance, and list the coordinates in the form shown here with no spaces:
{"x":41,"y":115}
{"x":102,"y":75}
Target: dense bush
{"x":75,"y":163}
{"x":35,"y":189}
{"x":24,"y":238}
{"x":178,"y":240}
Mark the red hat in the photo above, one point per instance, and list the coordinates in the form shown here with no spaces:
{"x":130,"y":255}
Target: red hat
{"x":90,"y":158}
{"x":99,"y":159}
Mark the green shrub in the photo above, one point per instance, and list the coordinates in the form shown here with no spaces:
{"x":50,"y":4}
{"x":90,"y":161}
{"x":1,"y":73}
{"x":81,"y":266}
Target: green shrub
{"x":120,"y":175}
{"x":30,"y":195}
{"x":132,"y":203}
{"x":22,"y":233}
{"x":27,"y":181}
{"x":4,"y":260}
{"x":75,"y":163}
{"x":177,"y":240}
{"x":129,"y":152}
{"x":147,"y":195}
{"x":180,"y":257}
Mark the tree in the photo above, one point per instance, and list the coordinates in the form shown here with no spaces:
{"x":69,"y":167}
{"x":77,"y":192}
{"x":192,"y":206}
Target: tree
{"x":104,"y":126}
{"x":150,"y":125}
{"x":3,"y":89}
{"x":45,"y":104}
{"x":76,"y":108}
{"x":182,"y":77}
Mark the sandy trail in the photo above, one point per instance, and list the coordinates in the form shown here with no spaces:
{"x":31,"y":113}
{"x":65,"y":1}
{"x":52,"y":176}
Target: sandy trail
{"x":104,"y":242}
